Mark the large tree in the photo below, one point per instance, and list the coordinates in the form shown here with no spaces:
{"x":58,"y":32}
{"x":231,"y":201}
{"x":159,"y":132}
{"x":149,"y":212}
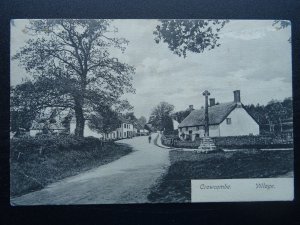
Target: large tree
{"x":142,"y":121}
{"x":104,"y":120}
{"x":71,"y":60}
{"x":189,"y":35}
{"x":161,"y":116}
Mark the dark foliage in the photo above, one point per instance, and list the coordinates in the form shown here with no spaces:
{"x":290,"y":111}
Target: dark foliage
{"x":274,"y":113}
{"x":189,"y":35}
{"x":161,"y":116}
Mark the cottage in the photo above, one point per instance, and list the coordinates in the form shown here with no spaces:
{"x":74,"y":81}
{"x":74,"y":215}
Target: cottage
{"x":225,"y":119}
{"x":50,"y":120}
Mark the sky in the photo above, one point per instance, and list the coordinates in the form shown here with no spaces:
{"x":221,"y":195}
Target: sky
{"x":254,"y":57}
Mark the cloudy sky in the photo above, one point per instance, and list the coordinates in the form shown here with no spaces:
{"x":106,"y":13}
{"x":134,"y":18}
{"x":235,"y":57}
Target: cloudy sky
{"x":254,"y":57}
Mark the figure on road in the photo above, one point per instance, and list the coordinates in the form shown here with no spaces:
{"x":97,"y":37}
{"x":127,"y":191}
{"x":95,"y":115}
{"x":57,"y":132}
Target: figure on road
{"x":149,"y":138}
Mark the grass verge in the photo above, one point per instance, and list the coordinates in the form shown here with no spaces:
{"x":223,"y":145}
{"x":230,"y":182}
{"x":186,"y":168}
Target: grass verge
{"x":32,"y":170}
{"x":175,"y":186}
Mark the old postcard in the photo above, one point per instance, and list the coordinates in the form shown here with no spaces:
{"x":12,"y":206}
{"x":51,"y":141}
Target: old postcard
{"x":150,"y":111}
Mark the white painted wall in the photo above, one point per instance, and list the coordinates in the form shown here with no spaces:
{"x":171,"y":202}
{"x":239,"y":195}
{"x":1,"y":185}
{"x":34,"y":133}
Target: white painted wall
{"x":87,"y":130}
{"x":175,"y":124}
{"x":241,"y":124}
{"x":214,"y":130}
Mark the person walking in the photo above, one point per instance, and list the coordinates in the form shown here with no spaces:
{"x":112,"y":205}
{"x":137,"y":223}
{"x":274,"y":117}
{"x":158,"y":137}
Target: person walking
{"x":149,"y":138}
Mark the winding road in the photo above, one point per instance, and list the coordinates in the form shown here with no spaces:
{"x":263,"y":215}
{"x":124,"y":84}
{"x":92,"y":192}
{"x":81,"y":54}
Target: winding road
{"x":126,"y":180}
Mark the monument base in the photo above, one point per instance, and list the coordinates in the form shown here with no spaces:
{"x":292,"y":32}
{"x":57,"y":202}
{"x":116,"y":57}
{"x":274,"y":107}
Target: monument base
{"x":207,"y":145}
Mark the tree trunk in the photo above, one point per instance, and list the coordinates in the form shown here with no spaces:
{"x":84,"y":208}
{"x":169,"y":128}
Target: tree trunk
{"x":79,"y":117}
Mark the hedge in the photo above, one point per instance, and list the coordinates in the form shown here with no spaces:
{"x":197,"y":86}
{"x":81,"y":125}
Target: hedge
{"x":233,"y":142}
{"x":50,"y":143}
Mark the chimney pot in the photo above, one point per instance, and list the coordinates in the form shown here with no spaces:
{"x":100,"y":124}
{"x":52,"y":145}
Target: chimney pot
{"x":237,"y":96}
{"x":212,"y":101}
{"x":191,"y":107}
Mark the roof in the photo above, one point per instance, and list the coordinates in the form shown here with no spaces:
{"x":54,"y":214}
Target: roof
{"x":43,"y":118}
{"x":216,"y":115}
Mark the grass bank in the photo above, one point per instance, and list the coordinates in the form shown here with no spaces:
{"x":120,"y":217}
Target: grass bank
{"x":36,"y":162}
{"x":175,"y":186}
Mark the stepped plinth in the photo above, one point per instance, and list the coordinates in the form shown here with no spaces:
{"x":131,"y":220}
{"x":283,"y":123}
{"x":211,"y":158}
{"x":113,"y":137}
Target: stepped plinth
{"x":207,"y":144}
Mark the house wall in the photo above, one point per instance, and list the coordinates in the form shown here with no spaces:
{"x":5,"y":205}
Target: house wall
{"x":90,"y":133}
{"x":241,"y":124}
{"x":122,"y":132}
{"x":34,"y":132}
{"x":127,"y":131}
{"x":214,"y":131}
{"x":87,"y":130}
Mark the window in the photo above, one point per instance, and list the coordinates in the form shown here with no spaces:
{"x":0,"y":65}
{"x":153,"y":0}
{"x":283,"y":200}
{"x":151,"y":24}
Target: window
{"x":124,"y":125}
{"x":228,"y":120}
{"x":124,"y":134}
{"x":190,"y":132}
{"x":197,"y":135}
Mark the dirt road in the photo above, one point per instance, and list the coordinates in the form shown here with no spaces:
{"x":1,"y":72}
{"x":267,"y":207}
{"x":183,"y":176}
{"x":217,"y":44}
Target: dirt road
{"x":126,"y":180}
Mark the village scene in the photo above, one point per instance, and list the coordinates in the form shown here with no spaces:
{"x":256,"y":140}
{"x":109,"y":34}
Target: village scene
{"x":130,"y":111}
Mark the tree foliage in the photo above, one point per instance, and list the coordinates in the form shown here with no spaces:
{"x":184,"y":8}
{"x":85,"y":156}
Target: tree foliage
{"x":104,"y":120}
{"x":161,"y":116}
{"x":70,"y":59}
{"x":142,"y":122}
{"x":282,"y":24}
{"x":181,"y":115}
{"x":184,"y":36}
{"x":273,"y":113}
{"x":24,"y":107}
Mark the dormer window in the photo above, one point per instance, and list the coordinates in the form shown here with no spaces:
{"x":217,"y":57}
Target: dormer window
{"x":228,"y":120}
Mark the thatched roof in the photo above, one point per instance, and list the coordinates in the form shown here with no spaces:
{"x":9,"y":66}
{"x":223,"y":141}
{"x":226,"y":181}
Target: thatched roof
{"x":51,"y":126}
{"x":216,"y":115}
{"x":45,"y":115}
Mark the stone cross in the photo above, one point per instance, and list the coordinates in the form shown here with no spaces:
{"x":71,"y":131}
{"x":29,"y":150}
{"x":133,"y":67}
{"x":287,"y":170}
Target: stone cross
{"x":206,"y":122}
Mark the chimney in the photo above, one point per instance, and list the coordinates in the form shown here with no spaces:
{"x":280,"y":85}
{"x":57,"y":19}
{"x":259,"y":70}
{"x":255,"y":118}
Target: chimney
{"x":212,"y":102}
{"x":237,"y":96}
{"x":191,"y":107}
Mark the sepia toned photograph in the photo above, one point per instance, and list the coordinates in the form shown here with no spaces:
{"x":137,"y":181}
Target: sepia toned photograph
{"x":133,"y":111}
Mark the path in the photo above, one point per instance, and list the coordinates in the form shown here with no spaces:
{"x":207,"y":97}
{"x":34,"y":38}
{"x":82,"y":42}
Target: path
{"x":126,"y":180}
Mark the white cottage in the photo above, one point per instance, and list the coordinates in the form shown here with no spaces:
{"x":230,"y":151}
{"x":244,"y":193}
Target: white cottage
{"x":225,"y":119}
